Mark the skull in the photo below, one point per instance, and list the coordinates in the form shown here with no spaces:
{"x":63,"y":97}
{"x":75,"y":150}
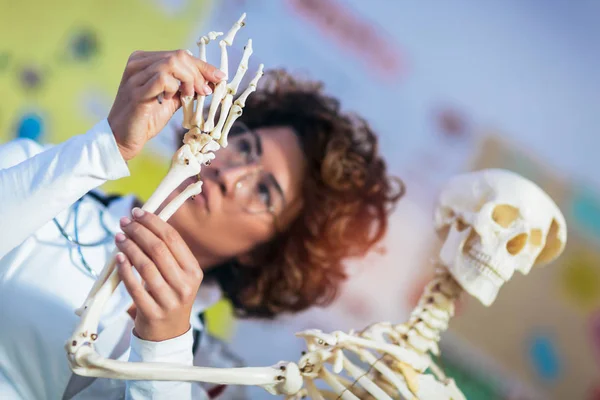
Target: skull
{"x":494,"y":222}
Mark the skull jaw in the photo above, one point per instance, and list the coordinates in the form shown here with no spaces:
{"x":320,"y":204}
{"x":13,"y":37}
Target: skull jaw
{"x":473,"y":281}
{"x":525,"y":263}
{"x":475,"y":278}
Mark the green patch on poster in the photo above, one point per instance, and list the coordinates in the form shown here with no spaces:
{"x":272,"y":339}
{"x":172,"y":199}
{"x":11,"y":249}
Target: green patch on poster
{"x":584,"y":210}
{"x":474,"y":385}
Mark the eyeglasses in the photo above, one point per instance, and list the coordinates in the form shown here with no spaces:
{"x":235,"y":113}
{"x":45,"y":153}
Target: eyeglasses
{"x":257,"y":191}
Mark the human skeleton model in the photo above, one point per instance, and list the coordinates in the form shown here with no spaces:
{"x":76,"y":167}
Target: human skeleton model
{"x":492,"y":222}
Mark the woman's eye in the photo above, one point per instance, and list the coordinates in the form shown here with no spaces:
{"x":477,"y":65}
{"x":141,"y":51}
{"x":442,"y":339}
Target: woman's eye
{"x":244,"y":148}
{"x":264,"y":194}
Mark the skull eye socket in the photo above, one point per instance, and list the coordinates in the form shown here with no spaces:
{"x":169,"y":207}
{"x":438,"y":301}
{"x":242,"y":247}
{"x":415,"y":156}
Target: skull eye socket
{"x":516,"y":244}
{"x":504,"y":215}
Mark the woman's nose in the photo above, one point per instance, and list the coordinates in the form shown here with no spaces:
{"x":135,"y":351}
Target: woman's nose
{"x":228,"y":177}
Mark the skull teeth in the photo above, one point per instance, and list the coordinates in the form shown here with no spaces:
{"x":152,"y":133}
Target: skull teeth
{"x":481,"y":261}
{"x":479,"y":256}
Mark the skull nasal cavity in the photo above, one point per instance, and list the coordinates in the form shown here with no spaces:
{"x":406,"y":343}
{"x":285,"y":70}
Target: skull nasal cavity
{"x":505,"y":214}
{"x":516,"y":244}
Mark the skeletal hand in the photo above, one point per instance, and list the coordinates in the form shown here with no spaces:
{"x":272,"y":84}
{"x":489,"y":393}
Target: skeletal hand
{"x":170,"y":273}
{"x":136,"y":115}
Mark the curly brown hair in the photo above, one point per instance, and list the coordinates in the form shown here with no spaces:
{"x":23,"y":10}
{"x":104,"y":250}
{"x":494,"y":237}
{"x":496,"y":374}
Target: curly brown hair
{"x":347,"y":196}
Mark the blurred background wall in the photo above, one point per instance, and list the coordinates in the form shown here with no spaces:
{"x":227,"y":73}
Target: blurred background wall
{"x":450,"y":86}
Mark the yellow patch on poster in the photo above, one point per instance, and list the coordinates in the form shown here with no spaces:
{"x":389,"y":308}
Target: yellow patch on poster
{"x":59,"y":49}
{"x":580,"y":281}
{"x":147,"y":170}
{"x":220,"y":320}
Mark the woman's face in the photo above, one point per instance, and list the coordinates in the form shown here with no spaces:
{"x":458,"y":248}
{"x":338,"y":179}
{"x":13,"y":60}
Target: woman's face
{"x":250,"y":190}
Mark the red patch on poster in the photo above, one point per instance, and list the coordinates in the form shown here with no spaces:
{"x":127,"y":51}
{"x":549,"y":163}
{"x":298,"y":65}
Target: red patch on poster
{"x":594,"y":335}
{"x":451,"y":123}
{"x":353,"y":33}
{"x":595,"y":393}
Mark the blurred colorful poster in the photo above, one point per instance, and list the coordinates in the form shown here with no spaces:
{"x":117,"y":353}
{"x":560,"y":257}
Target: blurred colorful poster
{"x":542,"y":326}
{"x":62,"y":65}
{"x":584,"y":209}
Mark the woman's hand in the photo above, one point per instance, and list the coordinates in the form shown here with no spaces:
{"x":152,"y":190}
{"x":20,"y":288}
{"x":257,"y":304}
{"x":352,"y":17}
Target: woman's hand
{"x":136,"y":116}
{"x":171,"y":275}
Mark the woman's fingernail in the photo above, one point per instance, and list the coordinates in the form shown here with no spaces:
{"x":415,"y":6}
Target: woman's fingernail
{"x":137,"y":212}
{"x":219,"y":74}
{"x":119,"y":237}
{"x":207,"y":90}
{"x":120,"y":258}
{"x":125,"y":221}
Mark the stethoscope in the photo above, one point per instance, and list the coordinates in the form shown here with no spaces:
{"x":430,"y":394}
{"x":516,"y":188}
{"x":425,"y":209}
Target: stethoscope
{"x":75,"y":238}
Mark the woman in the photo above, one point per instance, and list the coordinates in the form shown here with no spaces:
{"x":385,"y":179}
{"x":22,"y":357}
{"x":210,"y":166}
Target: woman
{"x":300,"y":187}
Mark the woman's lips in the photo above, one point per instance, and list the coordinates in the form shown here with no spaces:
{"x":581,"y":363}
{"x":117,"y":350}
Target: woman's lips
{"x":200,"y":200}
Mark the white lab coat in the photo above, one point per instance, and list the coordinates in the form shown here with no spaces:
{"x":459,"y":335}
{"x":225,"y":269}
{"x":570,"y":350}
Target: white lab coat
{"x":42,"y":280}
